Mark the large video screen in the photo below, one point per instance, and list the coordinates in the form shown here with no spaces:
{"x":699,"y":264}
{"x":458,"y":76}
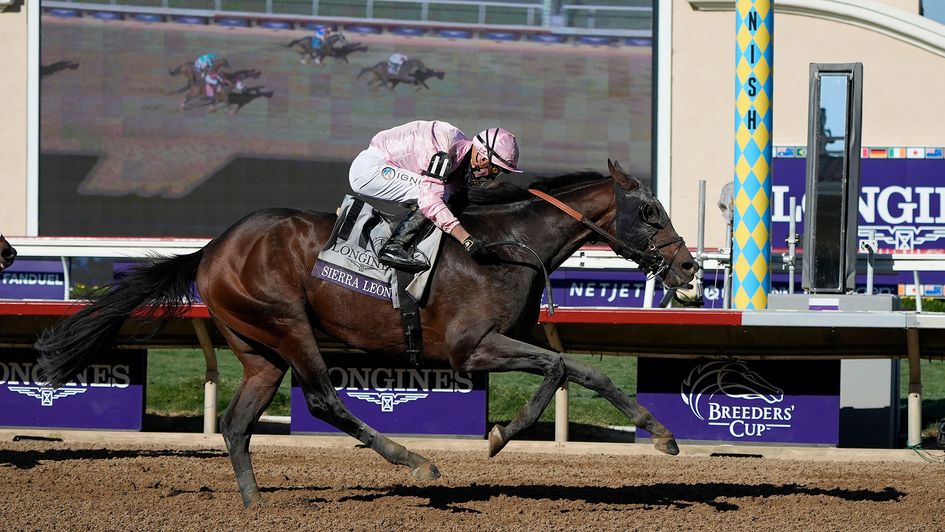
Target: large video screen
{"x":120,"y":155}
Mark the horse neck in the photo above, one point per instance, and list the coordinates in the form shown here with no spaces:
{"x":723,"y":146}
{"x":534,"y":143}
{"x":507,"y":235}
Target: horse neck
{"x":555,"y":235}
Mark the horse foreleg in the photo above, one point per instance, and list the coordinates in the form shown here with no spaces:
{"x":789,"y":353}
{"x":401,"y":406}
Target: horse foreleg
{"x":323,"y":403}
{"x":262,"y":374}
{"x":592,"y":379}
{"x":501,"y":353}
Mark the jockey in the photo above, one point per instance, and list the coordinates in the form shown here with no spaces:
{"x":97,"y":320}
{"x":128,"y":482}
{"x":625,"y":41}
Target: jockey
{"x":204,"y":62}
{"x":212,"y":81}
{"x":425,"y":162}
{"x":394,"y":62}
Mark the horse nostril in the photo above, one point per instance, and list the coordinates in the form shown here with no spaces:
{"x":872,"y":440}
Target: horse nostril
{"x":689,"y":266}
{"x":8,"y":254}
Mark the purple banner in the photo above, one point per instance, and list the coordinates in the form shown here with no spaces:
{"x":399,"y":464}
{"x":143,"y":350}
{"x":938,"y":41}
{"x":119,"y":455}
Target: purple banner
{"x":33,"y":279}
{"x":743,"y":401}
{"x":902,"y":201}
{"x":346,"y":278}
{"x":400,"y":399}
{"x":108,"y":395}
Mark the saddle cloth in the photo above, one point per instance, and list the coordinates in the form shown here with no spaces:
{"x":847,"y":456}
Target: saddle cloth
{"x":349,"y":258}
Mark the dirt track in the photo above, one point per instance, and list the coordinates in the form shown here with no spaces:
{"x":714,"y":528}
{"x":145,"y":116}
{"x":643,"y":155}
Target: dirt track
{"x":124,"y":486}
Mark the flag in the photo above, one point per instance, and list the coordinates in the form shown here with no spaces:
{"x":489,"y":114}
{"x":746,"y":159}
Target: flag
{"x":878,"y":153}
{"x":801,"y":152}
{"x":784,"y":151}
{"x":915,"y":153}
{"x":934,"y":153}
{"x":864,"y":153}
{"x":897,"y":153}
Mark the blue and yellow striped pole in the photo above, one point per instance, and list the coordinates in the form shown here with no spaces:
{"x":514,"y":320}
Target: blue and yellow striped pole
{"x":754,"y":89}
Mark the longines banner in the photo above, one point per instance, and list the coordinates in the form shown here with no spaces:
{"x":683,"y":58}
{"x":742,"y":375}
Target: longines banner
{"x":743,"y":401}
{"x":902,"y":198}
{"x":400,"y":399}
{"x":107,"y":395}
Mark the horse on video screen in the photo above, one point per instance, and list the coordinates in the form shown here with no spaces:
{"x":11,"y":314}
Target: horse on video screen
{"x":256,"y":280}
{"x":7,"y":254}
{"x":412,"y":72}
{"x":194,"y":78}
{"x":329,"y":48}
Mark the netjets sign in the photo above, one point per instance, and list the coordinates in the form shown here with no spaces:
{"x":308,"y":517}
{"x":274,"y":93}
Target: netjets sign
{"x":108,"y":394}
{"x":400,"y":400}
{"x":757,"y":401}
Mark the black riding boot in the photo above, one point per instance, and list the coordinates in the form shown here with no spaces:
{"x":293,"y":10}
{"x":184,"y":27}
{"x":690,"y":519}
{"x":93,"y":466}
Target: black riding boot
{"x":398,"y":250}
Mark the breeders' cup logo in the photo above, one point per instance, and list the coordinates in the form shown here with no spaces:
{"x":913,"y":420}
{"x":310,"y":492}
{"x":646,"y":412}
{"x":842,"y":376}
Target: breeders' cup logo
{"x":22,"y":378}
{"x":390,"y":387}
{"x":729,"y":394}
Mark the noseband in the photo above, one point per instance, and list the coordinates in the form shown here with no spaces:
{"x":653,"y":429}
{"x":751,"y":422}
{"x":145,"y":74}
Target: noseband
{"x":642,"y":229}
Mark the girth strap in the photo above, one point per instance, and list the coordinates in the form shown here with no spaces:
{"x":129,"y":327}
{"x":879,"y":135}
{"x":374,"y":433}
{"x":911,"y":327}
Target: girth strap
{"x":410,"y":320}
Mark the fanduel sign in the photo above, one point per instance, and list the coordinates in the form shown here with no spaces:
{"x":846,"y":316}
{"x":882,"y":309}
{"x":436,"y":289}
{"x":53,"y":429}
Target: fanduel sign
{"x":33,"y":279}
{"x":901,"y":205}
{"x":108,"y":394}
{"x":400,"y":399}
{"x":757,"y":401}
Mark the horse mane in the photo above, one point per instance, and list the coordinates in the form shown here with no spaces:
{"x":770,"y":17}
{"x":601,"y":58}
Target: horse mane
{"x":503,"y":192}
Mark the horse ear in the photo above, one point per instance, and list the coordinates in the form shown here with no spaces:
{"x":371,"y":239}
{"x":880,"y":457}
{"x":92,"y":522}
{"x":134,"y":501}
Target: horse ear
{"x":621,"y":175}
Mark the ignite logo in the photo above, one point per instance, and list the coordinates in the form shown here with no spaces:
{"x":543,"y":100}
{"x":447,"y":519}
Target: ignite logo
{"x":710,"y":389}
{"x":390,"y":173}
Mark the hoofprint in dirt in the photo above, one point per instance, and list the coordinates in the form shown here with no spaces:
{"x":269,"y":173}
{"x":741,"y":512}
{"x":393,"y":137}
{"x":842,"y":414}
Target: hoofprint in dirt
{"x":47,"y":485}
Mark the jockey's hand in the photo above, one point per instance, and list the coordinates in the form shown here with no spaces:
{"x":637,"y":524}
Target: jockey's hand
{"x":477,"y":249}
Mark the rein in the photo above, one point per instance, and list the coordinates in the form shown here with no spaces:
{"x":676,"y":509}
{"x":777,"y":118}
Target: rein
{"x":618,"y":245}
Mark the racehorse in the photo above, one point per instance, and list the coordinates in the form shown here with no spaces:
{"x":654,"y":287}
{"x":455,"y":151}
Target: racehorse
{"x":7,"y":254}
{"x":327,"y":49}
{"x":412,"y":72}
{"x":195,"y":78}
{"x":256,"y":280}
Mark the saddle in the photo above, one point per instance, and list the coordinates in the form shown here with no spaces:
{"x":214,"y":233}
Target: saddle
{"x":349,"y":260}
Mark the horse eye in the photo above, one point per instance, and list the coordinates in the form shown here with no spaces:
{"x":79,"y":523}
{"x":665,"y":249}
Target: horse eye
{"x":650,"y":213}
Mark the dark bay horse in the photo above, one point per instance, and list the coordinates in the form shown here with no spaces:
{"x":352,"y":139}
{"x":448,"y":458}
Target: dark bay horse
{"x":255,"y":278}
{"x":329,"y":48}
{"x":412,"y":72}
{"x":7,"y":254}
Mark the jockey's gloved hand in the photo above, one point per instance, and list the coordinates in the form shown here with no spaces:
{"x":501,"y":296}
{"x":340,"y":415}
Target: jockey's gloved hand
{"x":440,"y":166}
{"x":476,"y":248}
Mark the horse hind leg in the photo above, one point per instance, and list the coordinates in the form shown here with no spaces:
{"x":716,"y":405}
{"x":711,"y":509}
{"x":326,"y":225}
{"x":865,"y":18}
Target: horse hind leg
{"x":593,"y":379}
{"x":501,"y":353}
{"x":263,"y":371}
{"x":323,"y":403}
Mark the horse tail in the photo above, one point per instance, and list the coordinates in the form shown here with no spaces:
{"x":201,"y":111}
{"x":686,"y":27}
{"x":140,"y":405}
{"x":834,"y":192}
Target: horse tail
{"x":293,"y":43}
{"x":162,"y":290}
{"x":176,"y":70}
{"x":365,"y":70}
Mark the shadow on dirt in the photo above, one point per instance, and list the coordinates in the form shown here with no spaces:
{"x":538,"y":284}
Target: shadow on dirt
{"x":716,"y":495}
{"x":29,"y":459}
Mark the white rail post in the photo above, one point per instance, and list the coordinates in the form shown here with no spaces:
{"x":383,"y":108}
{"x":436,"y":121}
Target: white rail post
{"x":212,"y":378}
{"x":914,"y":405}
{"x":561,"y":396}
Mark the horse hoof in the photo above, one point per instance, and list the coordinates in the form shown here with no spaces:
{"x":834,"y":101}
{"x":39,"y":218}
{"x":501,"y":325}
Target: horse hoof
{"x":426,"y":471}
{"x":666,"y":444}
{"x":253,"y":498}
{"x":497,"y":440}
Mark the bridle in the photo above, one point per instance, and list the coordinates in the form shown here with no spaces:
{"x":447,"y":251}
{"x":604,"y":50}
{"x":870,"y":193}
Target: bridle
{"x":642,"y":229}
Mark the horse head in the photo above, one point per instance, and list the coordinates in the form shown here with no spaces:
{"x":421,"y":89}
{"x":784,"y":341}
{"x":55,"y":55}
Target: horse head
{"x":7,"y":254}
{"x":645,"y":233}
